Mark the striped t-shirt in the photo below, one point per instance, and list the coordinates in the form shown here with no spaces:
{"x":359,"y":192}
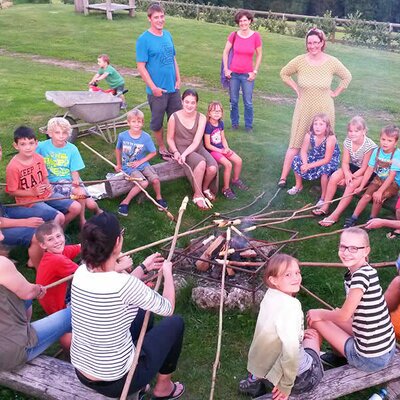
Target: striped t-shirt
{"x":372,"y":327}
{"x":103,"y":308}
{"x":357,"y":157}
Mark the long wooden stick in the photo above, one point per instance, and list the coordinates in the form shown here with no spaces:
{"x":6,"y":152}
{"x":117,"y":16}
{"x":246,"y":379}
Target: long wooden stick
{"x":269,"y":202}
{"x":340,"y":265}
{"x":316,"y":297}
{"x":311,"y":236}
{"x":94,"y":181}
{"x":247,"y":205}
{"x":147,"y":315}
{"x":221,"y":314}
{"x":144,"y":247}
{"x":26,"y":203}
{"x":170,"y":216}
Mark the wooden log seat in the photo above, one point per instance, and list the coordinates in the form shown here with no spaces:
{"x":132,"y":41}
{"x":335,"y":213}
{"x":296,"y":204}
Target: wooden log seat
{"x":344,"y":380}
{"x":51,"y":379}
{"x":167,"y":171}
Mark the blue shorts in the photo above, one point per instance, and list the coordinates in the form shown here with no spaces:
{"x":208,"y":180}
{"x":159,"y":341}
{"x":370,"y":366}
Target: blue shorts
{"x":47,"y":210}
{"x":367,"y":364}
{"x":18,"y":236}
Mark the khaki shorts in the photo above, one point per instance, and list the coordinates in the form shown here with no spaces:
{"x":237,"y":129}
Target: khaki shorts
{"x":148,"y":172}
{"x":377,"y":183}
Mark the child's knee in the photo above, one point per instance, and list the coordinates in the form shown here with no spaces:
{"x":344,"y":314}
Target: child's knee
{"x":75,"y":208}
{"x":144,"y":184}
{"x":60,"y":218}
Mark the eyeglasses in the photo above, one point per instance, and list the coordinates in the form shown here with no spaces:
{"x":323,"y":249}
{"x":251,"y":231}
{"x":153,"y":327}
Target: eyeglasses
{"x":313,"y":43}
{"x":122,"y":232}
{"x":351,"y":249}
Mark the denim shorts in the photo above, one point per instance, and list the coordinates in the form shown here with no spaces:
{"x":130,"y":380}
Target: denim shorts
{"x":367,"y":364}
{"x":308,"y":379}
{"x":167,"y":103}
{"x":21,"y":236}
{"x":47,"y":210}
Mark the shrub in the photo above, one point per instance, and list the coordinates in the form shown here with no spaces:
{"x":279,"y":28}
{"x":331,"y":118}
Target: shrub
{"x":301,"y":28}
{"x":327,"y":23}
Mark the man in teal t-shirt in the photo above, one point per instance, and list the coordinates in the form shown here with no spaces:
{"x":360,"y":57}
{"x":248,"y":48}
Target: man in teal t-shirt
{"x":111,"y":75}
{"x":157,"y":65}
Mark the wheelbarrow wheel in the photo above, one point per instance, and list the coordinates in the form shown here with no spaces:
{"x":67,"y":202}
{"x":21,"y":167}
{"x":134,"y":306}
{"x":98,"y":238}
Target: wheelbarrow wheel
{"x":75,"y":131}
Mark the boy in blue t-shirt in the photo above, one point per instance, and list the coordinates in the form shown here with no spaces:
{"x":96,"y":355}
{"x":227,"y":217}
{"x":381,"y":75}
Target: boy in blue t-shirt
{"x":112,"y":77}
{"x":63,"y":162}
{"x":133,"y":151}
{"x":385,"y":163}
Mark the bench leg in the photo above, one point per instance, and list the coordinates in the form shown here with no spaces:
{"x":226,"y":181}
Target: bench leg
{"x":393,"y":389}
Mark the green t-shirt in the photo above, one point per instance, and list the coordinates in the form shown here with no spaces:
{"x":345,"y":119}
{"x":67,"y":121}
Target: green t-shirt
{"x":114,"y":78}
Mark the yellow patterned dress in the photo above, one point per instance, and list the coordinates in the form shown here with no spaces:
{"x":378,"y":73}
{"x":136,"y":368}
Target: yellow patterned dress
{"x":314,"y":83}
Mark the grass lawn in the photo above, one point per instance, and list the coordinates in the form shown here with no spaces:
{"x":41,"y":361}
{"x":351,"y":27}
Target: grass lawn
{"x":55,"y":31}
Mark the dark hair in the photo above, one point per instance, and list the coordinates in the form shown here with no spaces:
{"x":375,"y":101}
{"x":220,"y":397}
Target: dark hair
{"x":24,"y":132}
{"x":98,"y":238}
{"x":319,"y":33}
{"x":155,"y":7}
{"x":105,"y":58}
{"x":244,"y":13}
{"x":190,"y":92}
{"x":47,"y":229}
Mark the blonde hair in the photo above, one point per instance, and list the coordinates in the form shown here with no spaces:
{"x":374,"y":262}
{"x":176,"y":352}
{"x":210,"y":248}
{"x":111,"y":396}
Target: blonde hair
{"x":359,"y":232}
{"x":277,"y":265}
{"x":391,"y":131}
{"x":358,"y":122}
{"x":325,"y":118}
{"x":212,"y":106}
{"x":59,"y":122}
{"x":135,"y":113}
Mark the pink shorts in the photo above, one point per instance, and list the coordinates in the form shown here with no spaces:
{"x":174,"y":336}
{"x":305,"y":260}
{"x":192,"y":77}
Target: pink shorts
{"x":398,"y":203}
{"x":217,"y":156}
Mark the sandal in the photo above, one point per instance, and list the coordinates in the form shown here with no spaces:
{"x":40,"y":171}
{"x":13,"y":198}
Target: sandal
{"x":200,"y":203}
{"x":294,"y":190}
{"x":318,"y":211}
{"x":282,"y":183}
{"x":210,"y":195}
{"x":393,"y":235}
{"x":326,"y":222}
{"x":240,"y":184}
{"x":252,"y":387}
{"x":171,"y":396}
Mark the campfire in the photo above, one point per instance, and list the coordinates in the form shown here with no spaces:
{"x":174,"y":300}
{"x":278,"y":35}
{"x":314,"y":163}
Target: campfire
{"x":246,"y":256}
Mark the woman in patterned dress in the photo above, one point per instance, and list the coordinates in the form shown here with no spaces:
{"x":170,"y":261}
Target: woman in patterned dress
{"x":315,"y":71}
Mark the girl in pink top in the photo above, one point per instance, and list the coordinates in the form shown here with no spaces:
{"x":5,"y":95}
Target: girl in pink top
{"x":239,"y":68}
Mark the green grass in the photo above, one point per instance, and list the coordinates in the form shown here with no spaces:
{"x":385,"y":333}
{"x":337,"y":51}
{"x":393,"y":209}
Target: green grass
{"x":55,"y":31}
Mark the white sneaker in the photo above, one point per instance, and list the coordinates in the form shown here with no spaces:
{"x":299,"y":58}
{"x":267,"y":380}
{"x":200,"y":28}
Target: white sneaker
{"x":294,"y":190}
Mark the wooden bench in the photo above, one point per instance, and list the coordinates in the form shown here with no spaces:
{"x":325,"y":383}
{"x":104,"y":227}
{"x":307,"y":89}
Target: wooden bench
{"x":51,"y":379}
{"x":345,"y":380}
{"x":109,"y":8}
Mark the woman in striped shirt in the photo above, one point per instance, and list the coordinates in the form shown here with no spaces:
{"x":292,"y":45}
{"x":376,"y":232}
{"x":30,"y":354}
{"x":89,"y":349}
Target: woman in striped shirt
{"x":107,"y":314}
{"x":361,"y":329}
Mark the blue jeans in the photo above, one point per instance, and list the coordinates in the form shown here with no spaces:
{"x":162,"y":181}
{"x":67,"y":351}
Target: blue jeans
{"x":48,"y":330}
{"x":240,"y":81}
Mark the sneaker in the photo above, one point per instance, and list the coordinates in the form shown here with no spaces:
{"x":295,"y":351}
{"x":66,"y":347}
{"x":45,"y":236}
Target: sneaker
{"x":294,"y":190}
{"x":349,"y":222}
{"x":229,"y":194}
{"x":123,"y":210}
{"x":252,"y":387}
{"x":332,"y":360}
{"x":235,"y":127}
{"x":162,"y":203}
{"x":123,"y":105}
{"x":249,"y":130}
{"x":240,"y":184}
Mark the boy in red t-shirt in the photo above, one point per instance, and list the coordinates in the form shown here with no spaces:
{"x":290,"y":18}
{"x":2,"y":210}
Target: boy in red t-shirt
{"x":55,"y":264}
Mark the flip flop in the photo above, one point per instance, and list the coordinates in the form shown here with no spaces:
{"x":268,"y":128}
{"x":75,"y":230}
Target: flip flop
{"x":282,"y":183}
{"x":393,"y":235}
{"x":326,"y":222}
{"x":318,"y":211}
{"x":200,"y":202}
{"x":171,"y":395}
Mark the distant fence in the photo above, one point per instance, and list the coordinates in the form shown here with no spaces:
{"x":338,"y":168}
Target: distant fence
{"x":356,"y":31}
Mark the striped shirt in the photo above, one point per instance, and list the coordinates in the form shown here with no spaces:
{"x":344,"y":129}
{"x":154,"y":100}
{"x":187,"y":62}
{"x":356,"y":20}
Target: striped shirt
{"x":372,"y":327}
{"x":357,"y":157}
{"x":104,"y":306}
